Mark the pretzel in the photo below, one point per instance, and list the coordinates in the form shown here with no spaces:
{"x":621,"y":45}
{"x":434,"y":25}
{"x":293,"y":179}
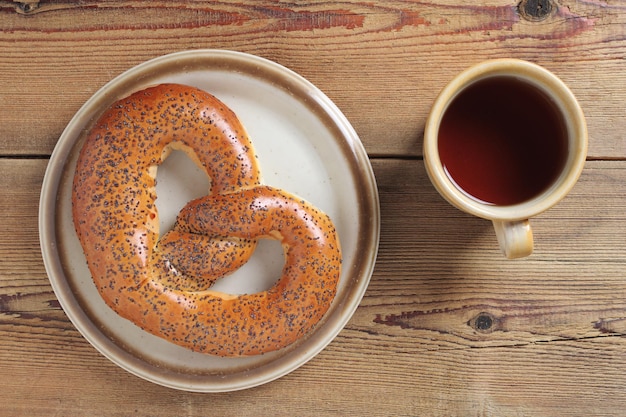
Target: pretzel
{"x":163,"y":285}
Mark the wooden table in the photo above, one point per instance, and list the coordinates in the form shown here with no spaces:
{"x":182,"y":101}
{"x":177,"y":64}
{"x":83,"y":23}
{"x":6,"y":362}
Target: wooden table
{"x":447,"y":327}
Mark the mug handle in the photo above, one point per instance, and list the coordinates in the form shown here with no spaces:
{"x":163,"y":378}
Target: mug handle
{"x":515,"y":238}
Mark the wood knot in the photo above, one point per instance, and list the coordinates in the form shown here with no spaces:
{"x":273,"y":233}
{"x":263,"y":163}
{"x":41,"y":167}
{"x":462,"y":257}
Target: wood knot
{"x":26,"y":7}
{"x":483,"y":322}
{"x":535,"y":10}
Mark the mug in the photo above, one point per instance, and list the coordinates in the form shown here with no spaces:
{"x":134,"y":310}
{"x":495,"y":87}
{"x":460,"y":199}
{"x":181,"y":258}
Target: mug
{"x":505,"y":140}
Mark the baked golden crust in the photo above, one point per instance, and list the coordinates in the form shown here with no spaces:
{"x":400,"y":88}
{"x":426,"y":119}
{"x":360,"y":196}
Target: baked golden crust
{"x":162,"y":286}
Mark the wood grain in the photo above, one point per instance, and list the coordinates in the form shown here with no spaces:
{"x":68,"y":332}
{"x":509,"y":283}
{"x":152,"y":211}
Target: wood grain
{"x":412,"y":348}
{"x":383,"y":63}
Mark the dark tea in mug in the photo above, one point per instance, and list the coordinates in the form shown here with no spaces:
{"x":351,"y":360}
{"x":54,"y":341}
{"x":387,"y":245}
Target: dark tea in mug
{"x":502,"y":141}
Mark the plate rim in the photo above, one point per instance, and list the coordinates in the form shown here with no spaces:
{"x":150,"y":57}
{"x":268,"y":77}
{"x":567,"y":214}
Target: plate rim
{"x":51,"y":186}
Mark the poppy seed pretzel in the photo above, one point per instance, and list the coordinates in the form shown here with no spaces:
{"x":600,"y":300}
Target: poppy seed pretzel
{"x":162,"y":285}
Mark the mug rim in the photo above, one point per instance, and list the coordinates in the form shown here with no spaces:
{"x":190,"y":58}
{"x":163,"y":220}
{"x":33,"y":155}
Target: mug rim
{"x":576,"y":133}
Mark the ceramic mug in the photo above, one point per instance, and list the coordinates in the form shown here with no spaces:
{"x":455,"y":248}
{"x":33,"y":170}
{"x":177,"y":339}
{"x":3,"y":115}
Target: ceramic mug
{"x":505,"y":140}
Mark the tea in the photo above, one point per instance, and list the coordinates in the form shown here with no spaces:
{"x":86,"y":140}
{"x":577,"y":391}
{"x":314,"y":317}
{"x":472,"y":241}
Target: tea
{"x":502,"y":141}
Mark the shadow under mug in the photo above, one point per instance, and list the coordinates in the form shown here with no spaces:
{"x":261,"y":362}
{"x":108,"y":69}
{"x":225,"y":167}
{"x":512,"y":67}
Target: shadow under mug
{"x":510,"y":221}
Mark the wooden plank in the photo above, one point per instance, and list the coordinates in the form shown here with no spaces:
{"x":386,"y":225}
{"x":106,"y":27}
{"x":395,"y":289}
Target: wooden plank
{"x":383,"y":63}
{"x":417,"y":345}
{"x":572,"y":378}
{"x":21,"y":267}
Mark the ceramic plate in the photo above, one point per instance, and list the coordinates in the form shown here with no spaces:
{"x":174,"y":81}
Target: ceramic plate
{"x":304,"y":145}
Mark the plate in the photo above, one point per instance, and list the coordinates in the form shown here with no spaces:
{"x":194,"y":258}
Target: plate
{"x":304,"y":144}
